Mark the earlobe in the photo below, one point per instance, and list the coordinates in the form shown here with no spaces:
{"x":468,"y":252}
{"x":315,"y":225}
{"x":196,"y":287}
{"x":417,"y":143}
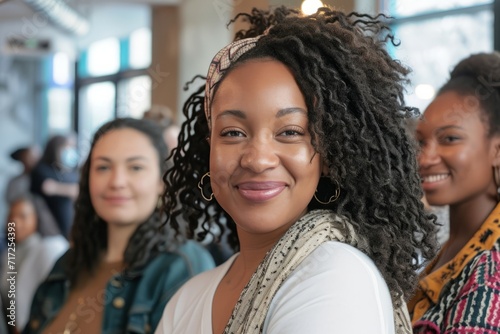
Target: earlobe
{"x":161,"y":188}
{"x":496,"y":151}
{"x":324,"y":170}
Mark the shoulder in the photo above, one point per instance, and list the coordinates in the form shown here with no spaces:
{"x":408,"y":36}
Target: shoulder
{"x":483,"y":271}
{"x":54,"y":244}
{"x":190,"y":307}
{"x":203,"y":282}
{"x":469,"y":298}
{"x":338,"y":266}
{"x":196,"y":256}
{"x":58,"y":271}
{"x":334,"y":287}
{"x":342,"y":260}
{"x":55,"y":282}
{"x":190,"y":258}
{"x":172,"y":269}
{"x":50,"y":249}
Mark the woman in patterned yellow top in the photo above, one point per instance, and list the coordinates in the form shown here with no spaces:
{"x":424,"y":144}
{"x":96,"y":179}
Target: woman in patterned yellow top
{"x":460,"y":167}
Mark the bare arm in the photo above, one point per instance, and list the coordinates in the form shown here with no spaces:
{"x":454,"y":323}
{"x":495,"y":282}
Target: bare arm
{"x":51,"y":187}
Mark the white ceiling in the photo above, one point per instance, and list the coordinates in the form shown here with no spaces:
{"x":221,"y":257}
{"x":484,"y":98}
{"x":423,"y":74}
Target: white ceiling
{"x":16,"y":9}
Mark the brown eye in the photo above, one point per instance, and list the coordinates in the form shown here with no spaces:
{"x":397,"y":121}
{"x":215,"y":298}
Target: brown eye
{"x":232,"y":133}
{"x":296,"y":131}
{"x":450,"y":139}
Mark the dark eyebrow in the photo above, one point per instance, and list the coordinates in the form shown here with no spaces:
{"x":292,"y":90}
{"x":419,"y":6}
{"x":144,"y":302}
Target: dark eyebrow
{"x":281,"y":112}
{"x":287,"y":111}
{"x":134,"y":158}
{"x":444,"y":128}
{"x":236,"y":113}
{"x":449,"y":127}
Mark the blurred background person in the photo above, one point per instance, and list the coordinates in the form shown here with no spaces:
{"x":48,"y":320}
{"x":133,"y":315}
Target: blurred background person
{"x":19,"y":187}
{"x":123,"y":266}
{"x":34,"y":256}
{"x":164,"y":117}
{"x":20,"y":184}
{"x":459,"y":136}
{"x":55,"y":179}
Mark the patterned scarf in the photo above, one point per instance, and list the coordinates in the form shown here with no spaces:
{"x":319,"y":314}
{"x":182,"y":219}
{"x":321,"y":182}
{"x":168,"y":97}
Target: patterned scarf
{"x":301,"y":239}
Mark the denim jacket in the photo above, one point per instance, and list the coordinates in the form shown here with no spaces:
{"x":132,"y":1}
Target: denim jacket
{"x":131,"y":305}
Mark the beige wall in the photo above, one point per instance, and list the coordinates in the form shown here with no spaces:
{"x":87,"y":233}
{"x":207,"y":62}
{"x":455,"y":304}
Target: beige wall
{"x":203,"y":34}
{"x":164,"y":69}
{"x":186,"y":37}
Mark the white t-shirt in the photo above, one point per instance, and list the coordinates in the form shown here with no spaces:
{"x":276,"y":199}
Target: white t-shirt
{"x":41,"y":255}
{"x":336,"y":289}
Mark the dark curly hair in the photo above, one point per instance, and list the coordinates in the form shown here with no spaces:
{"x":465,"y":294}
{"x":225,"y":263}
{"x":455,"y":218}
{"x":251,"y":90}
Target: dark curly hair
{"x":354,"y":95}
{"x":89,"y":232}
{"x":479,"y":75}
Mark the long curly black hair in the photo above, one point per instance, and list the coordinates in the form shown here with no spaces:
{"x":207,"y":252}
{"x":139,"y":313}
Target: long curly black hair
{"x":89,"y":232}
{"x":354,"y":94}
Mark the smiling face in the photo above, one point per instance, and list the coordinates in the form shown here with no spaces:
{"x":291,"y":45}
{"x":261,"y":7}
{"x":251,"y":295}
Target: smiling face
{"x":264,"y":170}
{"x":23,"y":214}
{"x":124,"y":179}
{"x":457,"y":155}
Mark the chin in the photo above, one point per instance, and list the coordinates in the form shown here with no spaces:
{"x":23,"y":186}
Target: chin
{"x":122,"y":222}
{"x":437,"y":201}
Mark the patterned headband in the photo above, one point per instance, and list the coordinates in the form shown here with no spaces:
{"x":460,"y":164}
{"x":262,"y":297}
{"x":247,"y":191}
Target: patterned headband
{"x":221,"y":62}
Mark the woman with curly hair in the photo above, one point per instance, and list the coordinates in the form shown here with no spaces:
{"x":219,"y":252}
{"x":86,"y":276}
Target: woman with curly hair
{"x":459,"y":162}
{"x":299,"y":148}
{"x":122,"y":267}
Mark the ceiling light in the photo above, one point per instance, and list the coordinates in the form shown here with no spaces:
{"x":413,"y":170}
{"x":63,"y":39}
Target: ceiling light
{"x":311,"y":6}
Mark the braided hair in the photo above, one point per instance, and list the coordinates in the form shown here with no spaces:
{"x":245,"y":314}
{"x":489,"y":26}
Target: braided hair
{"x":354,"y":95}
{"x":89,"y":232}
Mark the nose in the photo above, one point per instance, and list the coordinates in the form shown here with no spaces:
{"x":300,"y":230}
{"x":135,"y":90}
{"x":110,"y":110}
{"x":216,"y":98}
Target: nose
{"x":118,"y":178}
{"x":428,"y":156}
{"x":259,"y":156}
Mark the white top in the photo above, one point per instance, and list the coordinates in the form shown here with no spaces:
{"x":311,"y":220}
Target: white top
{"x":336,"y":289}
{"x":31,"y":270}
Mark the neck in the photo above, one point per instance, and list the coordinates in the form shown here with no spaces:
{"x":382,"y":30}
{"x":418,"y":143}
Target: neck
{"x":467,"y":217}
{"x":253,"y":249}
{"x":118,"y":238}
{"x":254,"y":246}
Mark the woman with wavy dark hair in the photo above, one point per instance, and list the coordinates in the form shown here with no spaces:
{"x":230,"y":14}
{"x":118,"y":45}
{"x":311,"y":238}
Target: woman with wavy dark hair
{"x":459,"y":162}
{"x":122,"y":266}
{"x":298,"y":148}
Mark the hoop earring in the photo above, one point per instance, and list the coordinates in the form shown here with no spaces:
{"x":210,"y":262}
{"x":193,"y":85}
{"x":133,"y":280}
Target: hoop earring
{"x":201,"y":185}
{"x":335,"y":196}
{"x":496,"y":177}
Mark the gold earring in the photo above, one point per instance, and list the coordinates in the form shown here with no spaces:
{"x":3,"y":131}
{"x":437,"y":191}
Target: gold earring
{"x":201,"y":185}
{"x":332,"y":198}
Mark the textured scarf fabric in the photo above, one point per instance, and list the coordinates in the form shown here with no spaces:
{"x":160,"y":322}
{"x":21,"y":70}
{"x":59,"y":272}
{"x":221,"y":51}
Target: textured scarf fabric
{"x":301,"y":239}
{"x":220,"y":63}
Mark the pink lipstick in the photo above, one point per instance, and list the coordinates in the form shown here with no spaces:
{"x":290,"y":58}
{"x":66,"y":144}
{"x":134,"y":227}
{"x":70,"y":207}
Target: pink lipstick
{"x":260,"y":191}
